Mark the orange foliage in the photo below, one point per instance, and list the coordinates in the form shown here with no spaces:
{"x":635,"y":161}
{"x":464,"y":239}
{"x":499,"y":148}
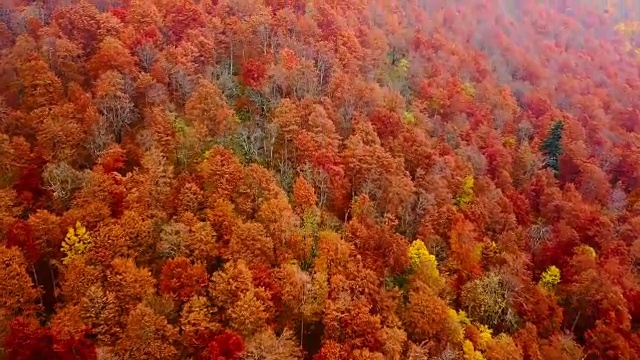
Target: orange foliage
{"x":291,"y":179}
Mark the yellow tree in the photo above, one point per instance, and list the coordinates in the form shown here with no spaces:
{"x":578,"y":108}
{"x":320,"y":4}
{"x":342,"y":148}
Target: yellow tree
{"x":550,"y":278}
{"x":466,"y":193}
{"x":76,"y":243}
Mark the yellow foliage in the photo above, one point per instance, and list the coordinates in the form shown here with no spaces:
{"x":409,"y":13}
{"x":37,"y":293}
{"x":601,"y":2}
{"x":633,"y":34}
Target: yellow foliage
{"x":509,"y":142}
{"x":463,"y":318}
{"x":76,"y":243}
{"x":469,"y":353}
{"x":550,"y":278}
{"x":628,"y":27}
{"x":403,"y":66}
{"x":466,"y":194}
{"x":456,"y":328}
{"x":587,"y":250}
{"x":408,"y":118}
{"x":420,"y":257}
{"x":485,"y":336}
{"x":469,"y":90}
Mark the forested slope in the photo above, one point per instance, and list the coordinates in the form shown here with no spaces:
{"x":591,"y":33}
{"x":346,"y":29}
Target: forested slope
{"x":326,"y":180}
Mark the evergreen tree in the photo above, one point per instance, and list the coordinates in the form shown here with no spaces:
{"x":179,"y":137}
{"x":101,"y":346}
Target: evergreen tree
{"x":552,"y":146}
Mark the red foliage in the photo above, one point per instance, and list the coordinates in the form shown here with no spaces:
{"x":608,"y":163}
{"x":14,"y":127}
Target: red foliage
{"x":28,"y":341}
{"x":226,"y":346}
{"x":113,"y":159}
{"x":253,"y":73}
{"x":182,"y":280}
{"x":20,"y":235}
{"x":322,"y":138}
{"x":263,"y":277}
{"x":80,"y":348}
{"x":119,"y":13}
{"x":29,"y":186}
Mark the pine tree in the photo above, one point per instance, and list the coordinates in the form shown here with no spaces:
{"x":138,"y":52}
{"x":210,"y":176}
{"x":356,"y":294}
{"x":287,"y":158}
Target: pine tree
{"x":552,"y":146}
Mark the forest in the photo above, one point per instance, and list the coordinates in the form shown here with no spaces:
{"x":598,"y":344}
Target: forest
{"x":319,"y":179}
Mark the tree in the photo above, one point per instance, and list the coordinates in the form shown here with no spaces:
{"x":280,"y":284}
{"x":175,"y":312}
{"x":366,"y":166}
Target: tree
{"x":76,"y":243}
{"x":40,"y":86}
{"x":220,"y":172}
{"x":304,"y":196}
{"x":111,"y":55}
{"x":206,"y":109}
{"x":248,"y":315}
{"x":351,"y":322}
{"x":466,"y":193}
{"x":371,"y":170}
{"x":562,"y":347}
{"x":489,"y":301}
{"x":303,"y":297}
{"x":251,"y":244}
{"x":503,"y":347}
{"x":551,"y":147}
{"x":237,"y":298}
{"x":197,"y":325}
{"x":80,"y":23}
{"x":253,"y":73}
{"x":179,"y":16}
{"x":225,"y":346}
{"x":268,"y":346}
{"x":27,"y":340}
{"x":146,"y":336}
{"x":181,"y":280}
{"x":605,"y":342}
{"x":428,"y":317}
{"x":59,"y":131}
{"x":550,"y":278}
{"x":128,"y":283}
{"x":116,"y":109}
{"x":524,"y":166}
{"x":18,"y":293}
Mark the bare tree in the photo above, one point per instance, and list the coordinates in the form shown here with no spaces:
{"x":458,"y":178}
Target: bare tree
{"x":538,"y":235}
{"x":62,"y":180}
{"x":172,"y":240}
{"x":118,"y":112}
{"x":101,"y":138}
{"x":617,"y":200}
{"x":147,"y":55}
{"x":181,"y":83}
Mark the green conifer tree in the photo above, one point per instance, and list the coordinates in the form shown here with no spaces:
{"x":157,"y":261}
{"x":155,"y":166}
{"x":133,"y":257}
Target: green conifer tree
{"x":552,"y":146}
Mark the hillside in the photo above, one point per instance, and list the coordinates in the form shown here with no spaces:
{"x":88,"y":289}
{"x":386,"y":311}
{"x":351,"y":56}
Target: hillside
{"x":324,"y":180}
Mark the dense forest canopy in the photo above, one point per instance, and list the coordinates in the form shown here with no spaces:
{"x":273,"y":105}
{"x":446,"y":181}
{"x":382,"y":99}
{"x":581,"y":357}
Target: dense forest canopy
{"x":320,"y":179}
